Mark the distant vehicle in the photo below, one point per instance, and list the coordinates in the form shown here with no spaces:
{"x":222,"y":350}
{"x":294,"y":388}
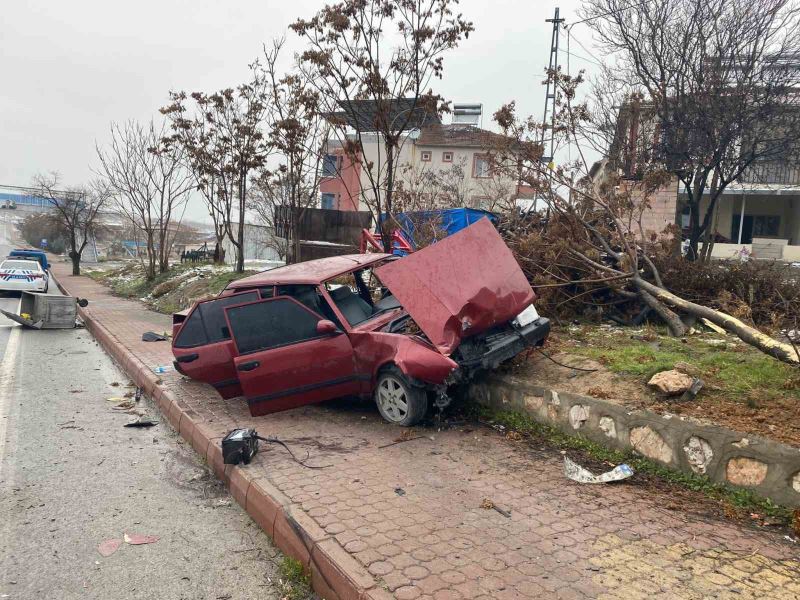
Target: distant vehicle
{"x":9,"y":204}
{"x":36,"y":255}
{"x":23,"y":275}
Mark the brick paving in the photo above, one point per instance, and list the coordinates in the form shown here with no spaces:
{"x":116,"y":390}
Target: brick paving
{"x":406,"y":521}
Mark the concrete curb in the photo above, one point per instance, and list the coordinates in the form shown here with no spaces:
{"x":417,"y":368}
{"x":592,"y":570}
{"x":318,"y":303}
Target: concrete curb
{"x":335,"y":574}
{"x":769,"y":468}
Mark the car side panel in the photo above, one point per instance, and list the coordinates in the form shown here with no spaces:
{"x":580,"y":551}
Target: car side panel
{"x":213,"y":365}
{"x":374,"y":349}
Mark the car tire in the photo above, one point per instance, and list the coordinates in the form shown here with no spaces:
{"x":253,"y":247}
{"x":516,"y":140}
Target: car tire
{"x":399,"y":401}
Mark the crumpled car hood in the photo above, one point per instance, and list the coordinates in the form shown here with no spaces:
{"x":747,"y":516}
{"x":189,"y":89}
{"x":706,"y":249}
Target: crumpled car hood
{"x":460,"y":286}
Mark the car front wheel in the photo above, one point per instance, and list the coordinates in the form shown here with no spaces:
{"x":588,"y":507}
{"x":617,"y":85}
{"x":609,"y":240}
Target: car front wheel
{"x":399,"y":401}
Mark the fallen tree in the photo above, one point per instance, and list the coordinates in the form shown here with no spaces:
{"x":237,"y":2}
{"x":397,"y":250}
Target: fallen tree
{"x":587,"y":235}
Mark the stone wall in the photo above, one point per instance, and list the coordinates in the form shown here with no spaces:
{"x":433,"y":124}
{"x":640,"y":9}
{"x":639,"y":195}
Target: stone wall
{"x":768,"y":468}
{"x":663,"y":209}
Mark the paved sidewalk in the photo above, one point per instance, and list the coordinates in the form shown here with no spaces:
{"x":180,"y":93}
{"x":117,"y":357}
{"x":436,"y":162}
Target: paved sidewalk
{"x":406,"y":521}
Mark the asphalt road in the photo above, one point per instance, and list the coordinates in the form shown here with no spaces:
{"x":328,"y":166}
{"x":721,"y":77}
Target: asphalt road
{"x":71,"y":476}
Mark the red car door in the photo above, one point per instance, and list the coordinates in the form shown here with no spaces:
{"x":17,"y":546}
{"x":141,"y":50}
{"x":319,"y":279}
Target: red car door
{"x":203,"y":348}
{"x":283,"y":360}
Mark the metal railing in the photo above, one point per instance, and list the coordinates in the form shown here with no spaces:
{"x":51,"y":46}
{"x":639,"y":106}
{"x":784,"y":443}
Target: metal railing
{"x":772,"y":172}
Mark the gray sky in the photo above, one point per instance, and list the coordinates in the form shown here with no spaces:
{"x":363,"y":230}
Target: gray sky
{"x":69,"y":68}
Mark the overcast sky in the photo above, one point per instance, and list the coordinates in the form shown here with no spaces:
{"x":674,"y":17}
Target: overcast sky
{"x":69,"y":68}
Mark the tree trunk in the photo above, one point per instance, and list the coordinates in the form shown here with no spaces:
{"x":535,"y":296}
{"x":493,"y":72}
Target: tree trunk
{"x":386,"y":233}
{"x":749,"y":335}
{"x":673,"y":321}
{"x":76,"y":262}
{"x":240,"y":233}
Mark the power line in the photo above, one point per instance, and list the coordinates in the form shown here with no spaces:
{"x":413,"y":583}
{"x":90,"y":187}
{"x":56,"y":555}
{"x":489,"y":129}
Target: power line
{"x":609,"y":13}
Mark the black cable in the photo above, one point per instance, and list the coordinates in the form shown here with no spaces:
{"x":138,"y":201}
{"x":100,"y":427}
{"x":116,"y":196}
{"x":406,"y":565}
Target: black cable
{"x":274,"y":440}
{"x":563,"y":365}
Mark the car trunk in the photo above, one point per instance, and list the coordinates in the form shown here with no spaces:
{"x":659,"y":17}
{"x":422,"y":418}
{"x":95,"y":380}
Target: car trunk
{"x":459,"y":287}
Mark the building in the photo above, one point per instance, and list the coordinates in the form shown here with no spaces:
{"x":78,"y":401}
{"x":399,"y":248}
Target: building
{"x":759,"y":212}
{"x":439,"y":164}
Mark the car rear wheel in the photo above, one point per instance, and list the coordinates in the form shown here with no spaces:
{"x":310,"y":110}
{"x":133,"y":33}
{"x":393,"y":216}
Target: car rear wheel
{"x":399,"y":401}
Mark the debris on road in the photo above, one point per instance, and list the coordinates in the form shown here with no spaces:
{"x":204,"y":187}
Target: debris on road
{"x":489,"y":505}
{"x":142,"y":422}
{"x":162,"y":368}
{"x":46,"y":311}
{"x":108,"y":547}
{"x":152,"y":336}
{"x":136,"y":539}
{"x":577,"y":473}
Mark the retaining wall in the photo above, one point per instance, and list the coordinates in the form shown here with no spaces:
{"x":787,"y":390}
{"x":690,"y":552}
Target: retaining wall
{"x":748,"y":461}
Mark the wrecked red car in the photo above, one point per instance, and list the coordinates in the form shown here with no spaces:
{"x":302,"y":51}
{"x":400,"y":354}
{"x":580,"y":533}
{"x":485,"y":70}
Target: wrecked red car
{"x":401,"y":330}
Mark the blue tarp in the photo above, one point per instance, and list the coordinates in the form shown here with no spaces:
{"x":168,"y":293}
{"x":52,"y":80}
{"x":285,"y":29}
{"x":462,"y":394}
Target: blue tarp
{"x":450,"y":220}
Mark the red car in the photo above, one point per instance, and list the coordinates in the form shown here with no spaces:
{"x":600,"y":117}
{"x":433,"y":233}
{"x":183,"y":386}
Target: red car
{"x":400,"y":330}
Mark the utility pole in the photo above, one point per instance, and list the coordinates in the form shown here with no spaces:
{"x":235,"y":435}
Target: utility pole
{"x":550,"y":96}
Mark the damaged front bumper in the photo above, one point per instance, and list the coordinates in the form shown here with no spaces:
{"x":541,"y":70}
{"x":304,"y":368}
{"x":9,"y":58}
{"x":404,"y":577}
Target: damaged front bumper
{"x":497,"y":348}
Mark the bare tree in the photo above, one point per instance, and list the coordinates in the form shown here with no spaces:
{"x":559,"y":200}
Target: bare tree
{"x":224,"y":144}
{"x":714,"y":81}
{"x":76,"y":209}
{"x":151,"y":186}
{"x":373,"y":62}
{"x":297,"y":133}
{"x":268,"y":194}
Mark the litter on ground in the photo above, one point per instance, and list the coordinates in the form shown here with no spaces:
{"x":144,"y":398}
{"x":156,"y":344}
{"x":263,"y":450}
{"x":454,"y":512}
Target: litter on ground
{"x":577,"y":473}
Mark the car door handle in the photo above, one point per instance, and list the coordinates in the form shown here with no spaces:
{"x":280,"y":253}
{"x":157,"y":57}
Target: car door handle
{"x":249,"y":366}
{"x":188,"y":358}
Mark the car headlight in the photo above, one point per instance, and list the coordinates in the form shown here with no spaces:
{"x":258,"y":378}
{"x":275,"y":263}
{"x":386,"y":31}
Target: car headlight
{"x":526,"y":317}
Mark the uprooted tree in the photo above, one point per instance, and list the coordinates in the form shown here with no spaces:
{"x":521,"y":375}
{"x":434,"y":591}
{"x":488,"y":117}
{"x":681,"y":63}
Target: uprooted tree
{"x":372,"y":62}
{"x":592,"y":244}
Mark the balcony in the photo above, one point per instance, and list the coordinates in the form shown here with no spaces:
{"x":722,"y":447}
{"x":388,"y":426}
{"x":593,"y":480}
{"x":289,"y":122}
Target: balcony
{"x":772,"y":172}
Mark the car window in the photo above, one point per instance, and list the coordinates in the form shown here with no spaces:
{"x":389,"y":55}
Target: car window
{"x":206,"y":324}
{"x":271,"y":324}
{"x":30,"y":265}
{"x":192,"y":332}
{"x":213,"y":314}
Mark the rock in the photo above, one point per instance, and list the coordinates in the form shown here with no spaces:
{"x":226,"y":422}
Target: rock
{"x":796,"y":482}
{"x":649,"y":442}
{"x":747,"y":472}
{"x":685,"y":367}
{"x":578,"y":415}
{"x":698,"y":453}
{"x":608,"y":427}
{"x":671,"y":383}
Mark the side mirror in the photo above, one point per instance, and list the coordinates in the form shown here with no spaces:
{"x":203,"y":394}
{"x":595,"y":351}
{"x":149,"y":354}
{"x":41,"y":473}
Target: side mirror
{"x":326,"y":327}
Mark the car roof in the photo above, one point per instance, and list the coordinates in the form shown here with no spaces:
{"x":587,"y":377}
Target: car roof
{"x":34,"y":264}
{"x":310,"y":272}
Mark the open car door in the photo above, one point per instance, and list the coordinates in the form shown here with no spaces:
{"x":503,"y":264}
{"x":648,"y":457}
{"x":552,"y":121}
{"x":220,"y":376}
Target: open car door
{"x":203,"y":348}
{"x":287,"y":355}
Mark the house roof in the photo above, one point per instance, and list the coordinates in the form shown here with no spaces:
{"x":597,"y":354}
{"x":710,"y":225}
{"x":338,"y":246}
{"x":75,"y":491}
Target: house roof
{"x":459,"y":135}
{"x":363,"y":115}
{"x":310,"y":272}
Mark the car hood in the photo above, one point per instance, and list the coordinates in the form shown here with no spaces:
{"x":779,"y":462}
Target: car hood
{"x":460,"y":286}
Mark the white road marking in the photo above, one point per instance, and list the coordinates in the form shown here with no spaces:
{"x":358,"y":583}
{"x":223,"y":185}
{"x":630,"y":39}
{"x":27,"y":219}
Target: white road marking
{"x":7,"y":380}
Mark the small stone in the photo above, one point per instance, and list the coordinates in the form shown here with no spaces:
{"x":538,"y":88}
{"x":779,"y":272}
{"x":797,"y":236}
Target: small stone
{"x":747,"y":472}
{"x":649,"y":442}
{"x":578,"y":415}
{"x":608,"y":427}
{"x":698,"y":453}
{"x":671,"y":383}
{"x":796,"y":482}
{"x":554,"y":399}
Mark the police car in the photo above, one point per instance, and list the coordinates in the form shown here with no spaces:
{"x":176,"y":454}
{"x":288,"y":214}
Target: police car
{"x":23,"y":275}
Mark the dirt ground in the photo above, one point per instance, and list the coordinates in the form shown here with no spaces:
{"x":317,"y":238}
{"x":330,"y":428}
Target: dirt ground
{"x":764,"y":400}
